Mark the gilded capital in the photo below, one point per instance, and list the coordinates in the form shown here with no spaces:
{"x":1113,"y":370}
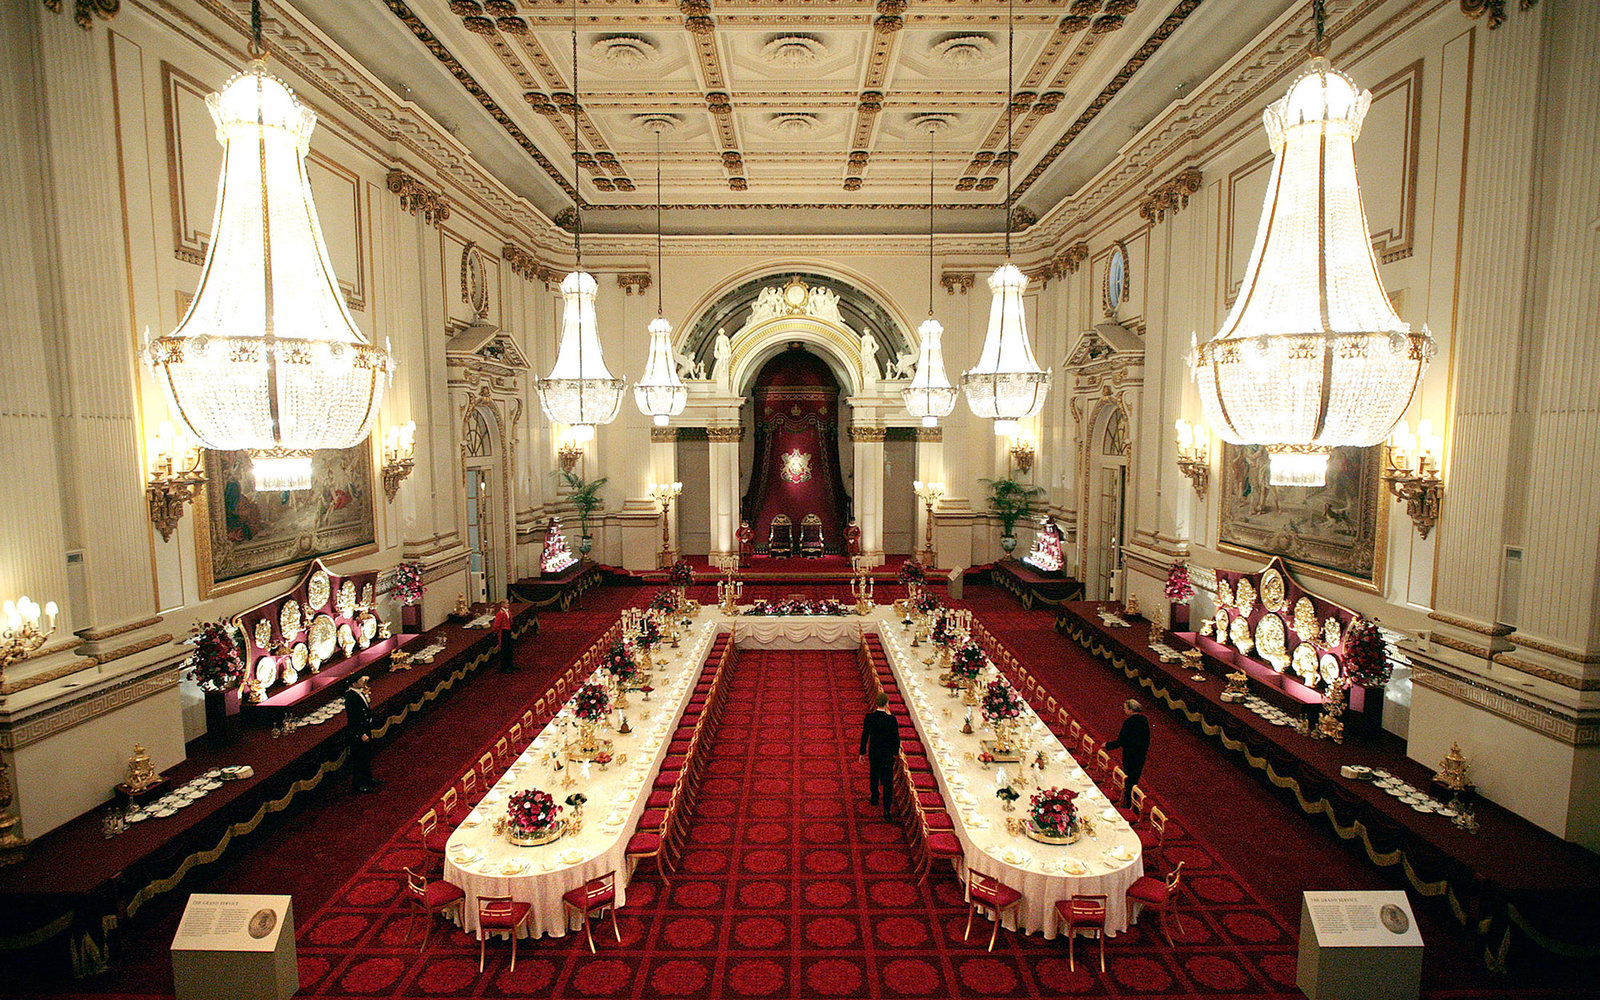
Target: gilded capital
{"x":725,"y":434}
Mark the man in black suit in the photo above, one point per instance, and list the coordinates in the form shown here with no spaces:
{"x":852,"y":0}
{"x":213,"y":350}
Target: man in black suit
{"x":1134,"y":739}
{"x":358,"y":731}
{"x":880,"y":745}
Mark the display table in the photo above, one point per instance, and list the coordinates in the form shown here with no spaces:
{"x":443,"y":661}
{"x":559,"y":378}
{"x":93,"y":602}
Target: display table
{"x":484,"y":864}
{"x":559,"y":590}
{"x":794,"y":631}
{"x":1031,"y":587}
{"x":1043,"y":873}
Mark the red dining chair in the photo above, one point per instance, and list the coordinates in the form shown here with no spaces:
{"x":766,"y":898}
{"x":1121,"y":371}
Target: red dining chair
{"x":594,"y":896}
{"x":1160,"y":896}
{"x":990,"y":894}
{"x":498,"y":914}
{"x":428,"y":900}
{"x":1082,"y":912}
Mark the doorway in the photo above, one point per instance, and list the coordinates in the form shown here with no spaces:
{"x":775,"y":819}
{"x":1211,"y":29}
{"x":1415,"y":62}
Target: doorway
{"x":483,"y":563}
{"x":1109,"y":498}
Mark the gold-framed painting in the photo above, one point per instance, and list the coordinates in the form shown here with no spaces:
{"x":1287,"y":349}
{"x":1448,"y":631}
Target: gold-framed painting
{"x":1332,"y":532}
{"x":245,"y":538}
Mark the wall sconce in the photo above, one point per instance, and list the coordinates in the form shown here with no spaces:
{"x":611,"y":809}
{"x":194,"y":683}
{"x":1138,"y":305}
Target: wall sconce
{"x":399,"y":456}
{"x":664,"y":494}
{"x":569,"y":453}
{"x":20,"y":634}
{"x":1022,"y":452}
{"x":175,"y":478}
{"x":1411,"y":468}
{"x":929,"y":494}
{"x":1194,"y":455}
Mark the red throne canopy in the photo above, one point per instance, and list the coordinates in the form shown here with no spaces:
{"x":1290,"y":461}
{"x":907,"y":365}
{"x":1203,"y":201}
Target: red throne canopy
{"x":796,"y":469}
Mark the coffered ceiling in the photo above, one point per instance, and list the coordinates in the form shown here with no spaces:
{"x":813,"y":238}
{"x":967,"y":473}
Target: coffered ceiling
{"x":774,"y":115}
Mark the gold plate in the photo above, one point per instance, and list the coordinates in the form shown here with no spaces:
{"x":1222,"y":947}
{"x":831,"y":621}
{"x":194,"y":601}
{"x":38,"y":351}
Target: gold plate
{"x":366,"y":628}
{"x":347,"y":638}
{"x":1224,"y":594}
{"x":345,"y":603}
{"x":1305,"y":620}
{"x":1240,"y":633}
{"x":1330,"y":668}
{"x":1222,"y":620}
{"x":1305,"y":663}
{"x":289,"y":623}
{"x":366,"y":595}
{"x":318,"y":591}
{"x":1270,"y":642}
{"x":264,"y":633}
{"x":1272,"y":590}
{"x":267,"y":671}
{"x":324,"y":639}
{"x":1331,"y":634}
{"x":299,"y":657}
{"x":290,"y":675}
{"x":1244,"y":597}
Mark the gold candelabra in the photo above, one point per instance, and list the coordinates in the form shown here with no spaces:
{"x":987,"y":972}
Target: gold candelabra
{"x":399,"y":457}
{"x":1022,"y":452}
{"x":20,"y":637}
{"x":1194,"y":455}
{"x":569,"y":453}
{"x":1411,"y":471}
{"x":664,"y":494}
{"x":175,"y":478}
{"x":930,"y":494}
{"x":729,"y":590}
{"x":861,"y":587}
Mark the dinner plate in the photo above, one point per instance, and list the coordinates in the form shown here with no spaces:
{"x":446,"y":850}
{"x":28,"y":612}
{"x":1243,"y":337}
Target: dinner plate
{"x":1120,"y":854}
{"x":1108,"y":813}
{"x":466,"y":856}
{"x":137,"y":816}
{"x":571,"y":856}
{"x":163,"y":812}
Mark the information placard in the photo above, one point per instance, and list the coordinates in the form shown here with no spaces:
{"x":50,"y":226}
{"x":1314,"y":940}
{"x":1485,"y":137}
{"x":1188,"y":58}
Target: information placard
{"x":1363,"y":919}
{"x":1359,"y":946}
{"x":235,"y":947}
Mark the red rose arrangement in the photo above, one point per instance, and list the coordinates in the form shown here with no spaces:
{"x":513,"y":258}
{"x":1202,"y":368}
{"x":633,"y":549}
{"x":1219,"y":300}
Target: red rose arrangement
{"x":408,"y":588}
{"x":591,"y":703}
{"x":927,"y":604}
{"x":1179,"y":589}
{"x":619,"y":663}
{"x":1366,"y":658}
{"x":531,"y":811}
{"x":968,"y":662}
{"x":1053,"y":813}
{"x":681,"y":574}
{"x":910,"y":572}
{"x":216,"y":663}
{"x":942,"y":634}
{"x":649,"y":635}
{"x":1001,"y":702}
{"x":825,"y":607}
{"x":666,"y":600}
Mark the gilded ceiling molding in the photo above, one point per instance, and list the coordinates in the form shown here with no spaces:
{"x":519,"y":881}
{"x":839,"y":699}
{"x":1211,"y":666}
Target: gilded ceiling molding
{"x":1022,"y":217}
{"x":634,"y":282}
{"x":526,"y":266}
{"x":954,"y":281}
{"x":85,"y":11}
{"x":889,"y":19}
{"x":1170,"y":196}
{"x":1069,"y":260}
{"x":1496,"y":9}
{"x":697,"y":17}
{"x":416,"y":198}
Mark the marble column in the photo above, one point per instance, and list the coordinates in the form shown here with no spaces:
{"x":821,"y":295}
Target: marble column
{"x":868,"y":442}
{"x":724,"y":490}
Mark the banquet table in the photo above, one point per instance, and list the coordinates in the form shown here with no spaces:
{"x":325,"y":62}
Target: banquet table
{"x":795,"y":631}
{"x":1107,"y":863}
{"x":484,"y":864}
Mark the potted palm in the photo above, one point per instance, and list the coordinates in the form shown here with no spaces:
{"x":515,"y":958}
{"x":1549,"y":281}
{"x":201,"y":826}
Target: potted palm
{"x":1012,"y":501}
{"x":585,"y":496}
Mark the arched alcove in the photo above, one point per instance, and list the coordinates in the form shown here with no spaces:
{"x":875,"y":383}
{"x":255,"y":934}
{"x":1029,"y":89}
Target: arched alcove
{"x":796,"y":470}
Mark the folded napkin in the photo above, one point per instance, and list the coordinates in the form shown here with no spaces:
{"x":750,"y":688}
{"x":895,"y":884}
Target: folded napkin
{"x":1072,"y":866}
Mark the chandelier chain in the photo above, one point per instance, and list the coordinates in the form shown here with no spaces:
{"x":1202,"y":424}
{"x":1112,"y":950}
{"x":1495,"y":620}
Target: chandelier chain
{"x":1011,"y":62}
{"x":577,"y":196}
{"x":930,"y":219}
{"x":1319,"y":23}
{"x":255,"y":28}
{"x":659,"y":278}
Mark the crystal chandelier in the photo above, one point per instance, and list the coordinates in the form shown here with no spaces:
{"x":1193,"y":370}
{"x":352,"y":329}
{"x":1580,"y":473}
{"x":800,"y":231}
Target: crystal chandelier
{"x":1006,"y":385}
{"x":930,"y":394}
{"x":580,"y":391}
{"x":659,"y":392}
{"x":1312,"y":356}
{"x":267,"y":358}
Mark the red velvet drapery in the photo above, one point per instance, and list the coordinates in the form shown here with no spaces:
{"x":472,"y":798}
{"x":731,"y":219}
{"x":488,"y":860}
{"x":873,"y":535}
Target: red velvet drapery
{"x":796,"y":469}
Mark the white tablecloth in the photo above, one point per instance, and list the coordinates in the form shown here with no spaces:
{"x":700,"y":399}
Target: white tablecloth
{"x":1032,"y":868}
{"x":795,"y":631}
{"x":616,"y":798}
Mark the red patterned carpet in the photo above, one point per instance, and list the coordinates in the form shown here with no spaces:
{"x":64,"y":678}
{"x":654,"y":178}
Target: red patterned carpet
{"x":790,"y":885}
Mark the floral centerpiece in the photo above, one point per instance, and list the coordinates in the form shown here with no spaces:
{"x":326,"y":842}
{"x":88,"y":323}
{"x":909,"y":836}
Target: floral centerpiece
{"x":649,"y":634}
{"x":216,"y":663}
{"x":967,"y":663}
{"x":666,"y":600}
{"x":1366,"y":658}
{"x":1001,"y":703}
{"x":1053,"y":816}
{"x":825,"y":607}
{"x":927,"y":604}
{"x":619,"y":663}
{"x":1179,"y":588}
{"x":681,"y":574}
{"x":532,"y":818}
{"x":408,"y":588}
{"x":591,"y":703}
{"x":944,"y":632}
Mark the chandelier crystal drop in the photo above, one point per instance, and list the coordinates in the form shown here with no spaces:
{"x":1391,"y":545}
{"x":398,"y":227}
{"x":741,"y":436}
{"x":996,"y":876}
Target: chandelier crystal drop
{"x":1007,"y":384}
{"x":267,"y":358}
{"x":1312,"y":355}
{"x":580,"y":391}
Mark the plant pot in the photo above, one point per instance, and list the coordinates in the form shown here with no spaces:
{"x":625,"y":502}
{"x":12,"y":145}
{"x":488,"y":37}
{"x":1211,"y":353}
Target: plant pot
{"x":1008,"y":543}
{"x":222,"y":729}
{"x":585,"y":544}
{"x":411,"y":618}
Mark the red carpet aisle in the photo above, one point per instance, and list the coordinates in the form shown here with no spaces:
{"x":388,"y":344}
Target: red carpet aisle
{"x":321,"y":844}
{"x":790,"y":886}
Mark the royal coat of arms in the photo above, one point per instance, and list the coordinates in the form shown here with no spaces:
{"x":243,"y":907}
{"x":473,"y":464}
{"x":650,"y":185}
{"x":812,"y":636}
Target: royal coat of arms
{"x":796,"y":466}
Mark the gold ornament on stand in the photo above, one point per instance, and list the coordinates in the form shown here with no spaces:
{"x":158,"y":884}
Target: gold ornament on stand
{"x":1132,"y":604}
{"x":1453,"y":770}
{"x":463,"y":610}
{"x":1236,"y":688}
{"x":1331,"y":726}
{"x":141,"y":771}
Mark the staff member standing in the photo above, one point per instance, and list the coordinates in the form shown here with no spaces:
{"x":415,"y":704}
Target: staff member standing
{"x":358,"y":731}
{"x":880,"y":745}
{"x":502,"y":627}
{"x":1134,"y":739}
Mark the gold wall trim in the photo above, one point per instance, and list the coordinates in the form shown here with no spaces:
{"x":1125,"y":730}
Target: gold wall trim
{"x":100,"y":635}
